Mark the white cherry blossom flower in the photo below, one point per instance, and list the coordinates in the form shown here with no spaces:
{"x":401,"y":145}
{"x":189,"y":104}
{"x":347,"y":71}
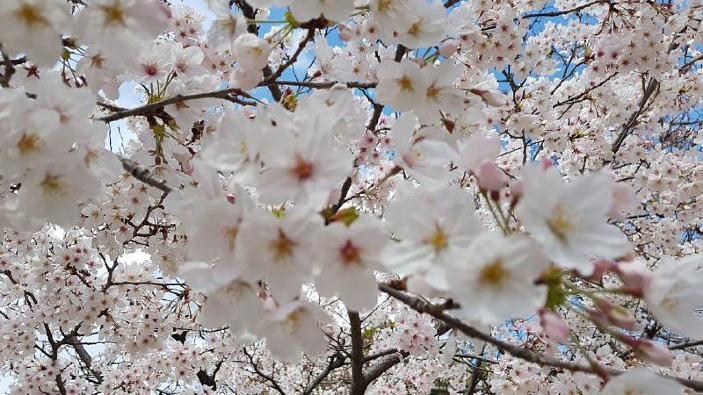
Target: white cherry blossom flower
{"x":226,"y":27}
{"x":303,"y":168}
{"x":675,"y":295}
{"x":53,"y":193}
{"x":422,"y":158}
{"x":34,"y":27}
{"x":295,"y":322}
{"x":428,"y":24}
{"x":348,"y":256}
{"x":569,"y":220}
{"x":496,"y":278}
{"x":280,"y":250}
{"x":214,"y":235}
{"x":251,"y":52}
{"x":229,"y":302}
{"x":400,"y":85}
{"x":641,"y":381}
{"x":334,"y":10}
{"x":434,"y":229}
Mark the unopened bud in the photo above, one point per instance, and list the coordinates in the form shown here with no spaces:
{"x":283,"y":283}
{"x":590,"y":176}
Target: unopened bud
{"x":599,"y":269}
{"x":554,"y":326}
{"x":345,"y":34}
{"x":635,"y":275}
{"x":448,"y":48}
{"x":490,"y":177}
{"x":653,"y":352}
{"x":449,"y":125}
{"x":490,"y":97}
{"x":515,"y":193}
{"x":617,"y":315}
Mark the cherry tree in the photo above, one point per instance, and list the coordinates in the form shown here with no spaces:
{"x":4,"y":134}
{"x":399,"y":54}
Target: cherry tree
{"x":337,"y":196}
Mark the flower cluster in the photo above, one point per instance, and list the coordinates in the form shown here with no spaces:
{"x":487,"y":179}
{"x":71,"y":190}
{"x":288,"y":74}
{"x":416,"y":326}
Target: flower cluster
{"x":336,"y":196}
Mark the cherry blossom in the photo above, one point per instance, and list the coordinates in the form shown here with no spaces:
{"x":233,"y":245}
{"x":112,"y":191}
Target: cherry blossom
{"x":336,"y":196}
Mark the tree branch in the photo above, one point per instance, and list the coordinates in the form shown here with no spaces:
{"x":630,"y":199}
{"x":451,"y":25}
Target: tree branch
{"x":320,"y":85}
{"x":336,"y":361}
{"x":87,"y":360}
{"x":438,"y":312}
{"x":652,"y":86}
{"x":564,"y":12}
{"x":357,"y":356}
{"x":686,"y":345}
{"x":144,"y":175}
{"x":263,"y":375}
{"x":376,"y":371}
{"x":9,"y":68}
{"x":298,"y":51}
{"x":153,"y":108}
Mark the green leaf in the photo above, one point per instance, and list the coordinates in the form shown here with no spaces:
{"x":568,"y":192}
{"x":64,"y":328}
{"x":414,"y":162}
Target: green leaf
{"x":348,"y":216}
{"x":556,"y":294}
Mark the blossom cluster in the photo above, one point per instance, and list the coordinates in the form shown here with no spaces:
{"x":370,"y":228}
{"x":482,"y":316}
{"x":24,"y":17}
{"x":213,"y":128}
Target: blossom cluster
{"x":335,"y":196}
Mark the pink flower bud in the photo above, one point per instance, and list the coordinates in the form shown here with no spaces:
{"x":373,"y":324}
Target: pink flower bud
{"x":624,"y":198}
{"x":635,"y":275}
{"x":184,"y":161}
{"x":490,"y":97}
{"x":231,"y":198}
{"x":554,"y":326}
{"x":490,"y":177}
{"x":269,"y":303}
{"x":515,"y":193}
{"x":653,"y":352}
{"x":617,"y":315}
{"x":448,"y":48}
{"x":599,"y":269}
{"x":345,"y":34}
{"x":546,"y":163}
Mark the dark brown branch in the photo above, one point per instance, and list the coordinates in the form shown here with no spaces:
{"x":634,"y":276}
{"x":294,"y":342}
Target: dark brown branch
{"x":564,"y":12}
{"x":321,"y":85}
{"x":9,"y":69}
{"x":574,"y":99}
{"x":293,"y":59}
{"x":652,"y":86}
{"x":274,"y":384}
{"x":383,"y":366}
{"x":153,"y":108}
{"x":87,"y":360}
{"x":342,"y":196}
{"x":15,"y":62}
{"x":690,"y":63}
{"x":357,"y":356}
{"x":380,"y":354}
{"x":686,"y":345}
{"x":143,"y":175}
{"x":209,"y":379}
{"x":336,"y":361}
{"x":438,"y":312}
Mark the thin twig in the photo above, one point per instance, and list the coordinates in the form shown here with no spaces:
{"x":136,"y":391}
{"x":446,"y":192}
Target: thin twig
{"x":153,"y":108}
{"x":438,"y":312}
{"x":9,"y":68}
{"x":564,"y":12}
